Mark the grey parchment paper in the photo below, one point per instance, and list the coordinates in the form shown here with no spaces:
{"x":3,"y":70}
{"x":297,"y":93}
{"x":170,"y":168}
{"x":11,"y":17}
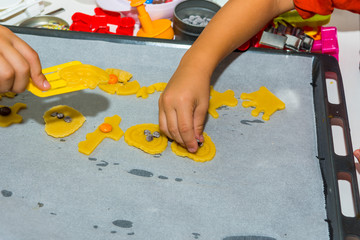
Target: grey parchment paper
{"x":264,"y":181}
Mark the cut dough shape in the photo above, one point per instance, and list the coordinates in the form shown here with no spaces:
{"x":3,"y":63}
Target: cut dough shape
{"x":264,"y":101}
{"x":7,"y":94}
{"x":134,"y":136}
{"x":124,"y":86}
{"x":59,"y":128}
{"x":205,"y":153}
{"x":13,"y":117}
{"x":123,"y":76}
{"x":219,"y":99}
{"x":93,"y":139}
{"x":145,"y":91}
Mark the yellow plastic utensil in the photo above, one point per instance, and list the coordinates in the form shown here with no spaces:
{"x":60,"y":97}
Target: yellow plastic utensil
{"x":70,"y":77}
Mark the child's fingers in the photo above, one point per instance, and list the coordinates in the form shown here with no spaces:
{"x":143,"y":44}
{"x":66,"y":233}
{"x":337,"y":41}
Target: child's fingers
{"x":357,"y":154}
{"x":185,"y":116}
{"x":33,"y":60}
{"x":172,"y":126}
{"x":7,"y":74}
{"x":162,"y":122}
{"x":21,"y":70}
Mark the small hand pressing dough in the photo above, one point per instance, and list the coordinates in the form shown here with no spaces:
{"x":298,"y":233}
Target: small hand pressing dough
{"x":205,"y":153}
{"x":62,"y":121}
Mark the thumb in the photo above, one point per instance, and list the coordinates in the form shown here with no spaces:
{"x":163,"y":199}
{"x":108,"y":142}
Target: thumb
{"x":39,"y":80}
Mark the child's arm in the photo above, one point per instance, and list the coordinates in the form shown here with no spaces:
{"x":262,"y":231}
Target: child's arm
{"x":18,"y":62}
{"x":184,"y":103}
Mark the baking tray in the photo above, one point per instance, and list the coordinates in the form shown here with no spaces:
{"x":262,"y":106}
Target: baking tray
{"x":269,"y":180}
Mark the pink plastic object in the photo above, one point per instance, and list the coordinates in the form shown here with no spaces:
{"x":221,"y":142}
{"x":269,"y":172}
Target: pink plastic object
{"x":328,"y":44}
{"x":100,"y":22}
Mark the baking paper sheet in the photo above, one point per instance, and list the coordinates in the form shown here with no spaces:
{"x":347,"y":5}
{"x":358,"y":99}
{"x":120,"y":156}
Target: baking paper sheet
{"x":264,"y":181}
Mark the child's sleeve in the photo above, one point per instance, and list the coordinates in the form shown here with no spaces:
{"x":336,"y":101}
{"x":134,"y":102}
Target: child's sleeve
{"x":308,"y":8}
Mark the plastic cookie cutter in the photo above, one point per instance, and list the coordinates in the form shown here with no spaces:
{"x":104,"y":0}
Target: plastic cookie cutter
{"x":108,"y":129}
{"x":101,"y":22}
{"x":328,"y":44}
{"x":160,"y":28}
{"x":70,"y":77}
{"x":264,"y":101}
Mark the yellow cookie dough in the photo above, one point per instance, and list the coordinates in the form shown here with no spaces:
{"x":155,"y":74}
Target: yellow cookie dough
{"x":123,"y":76}
{"x":219,"y":99}
{"x":135,"y":136}
{"x":57,"y":127}
{"x":127,"y":88}
{"x":7,"y":94}
{"x":264,"y":101}
{"x":13,"y":117}
{"x":109,"y":129}
{"x":145,"y":91}
{"x":122,"y":84}
{"x":205,"y":153}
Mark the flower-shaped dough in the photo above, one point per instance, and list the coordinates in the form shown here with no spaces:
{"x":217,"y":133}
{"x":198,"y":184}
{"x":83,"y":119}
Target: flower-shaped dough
{"x":9,"y":115}
{"x":62,"y":121}
{"x":264,"y":101}
{"x":205,"y":153}
{"x":137,"y":136}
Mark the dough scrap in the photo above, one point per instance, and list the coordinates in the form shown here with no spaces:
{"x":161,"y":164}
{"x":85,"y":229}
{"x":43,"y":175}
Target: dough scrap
{"x":264,"y":101}
{"x":219,"y":99}
{"x":93,"y":139}
{"x":205,"y":153}
{"x":59,"y":128}
{"x":7,"y":94}
{"x":145,"y":91}
{"x":124,"y":86}
{"x":134,"y":136}
{"x":13,"y":117}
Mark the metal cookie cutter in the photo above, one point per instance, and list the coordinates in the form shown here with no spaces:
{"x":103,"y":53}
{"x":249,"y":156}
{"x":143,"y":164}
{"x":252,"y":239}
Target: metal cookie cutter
{"x":286,"y":37}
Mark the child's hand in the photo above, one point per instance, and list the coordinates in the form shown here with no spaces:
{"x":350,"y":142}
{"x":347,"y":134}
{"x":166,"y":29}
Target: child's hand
{"x":357,"y":154}
{"x":183,"y":106}
{"x":18,"y":62}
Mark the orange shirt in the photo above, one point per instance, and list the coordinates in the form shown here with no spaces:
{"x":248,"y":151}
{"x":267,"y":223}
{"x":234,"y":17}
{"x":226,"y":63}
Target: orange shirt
{"x":307,"y":8}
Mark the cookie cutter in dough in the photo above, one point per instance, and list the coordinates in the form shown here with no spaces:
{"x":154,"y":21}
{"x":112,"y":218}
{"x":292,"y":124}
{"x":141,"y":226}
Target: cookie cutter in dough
{"x":70,"y":77}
